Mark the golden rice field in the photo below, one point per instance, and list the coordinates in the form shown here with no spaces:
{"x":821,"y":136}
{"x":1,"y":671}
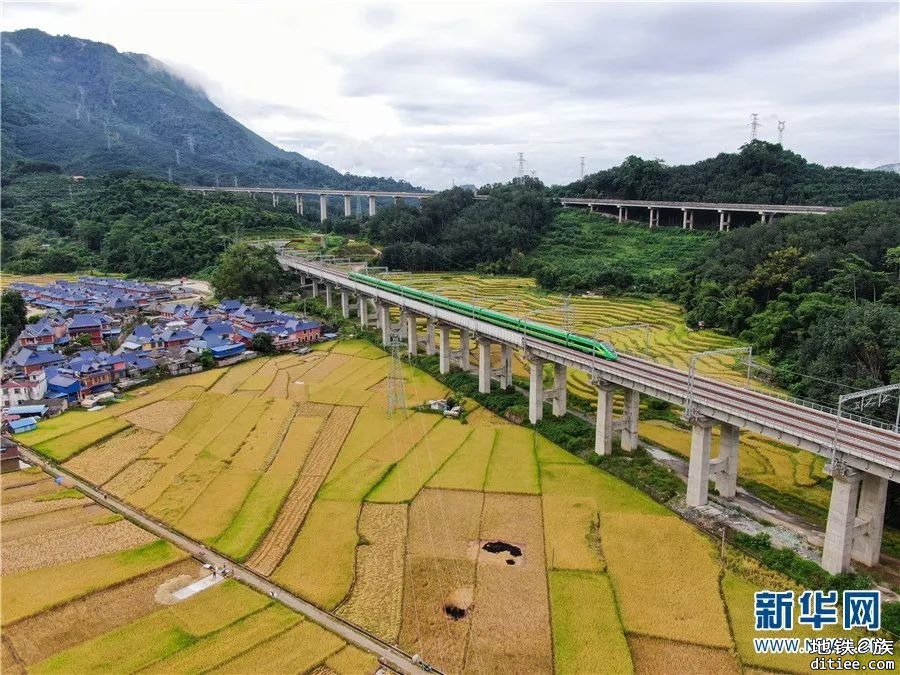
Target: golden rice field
{"x":84,"y":591}
{"x":478,"y":545}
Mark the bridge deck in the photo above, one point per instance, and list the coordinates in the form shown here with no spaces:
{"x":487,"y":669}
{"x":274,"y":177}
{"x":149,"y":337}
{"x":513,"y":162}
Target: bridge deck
{"x":709,"y":206}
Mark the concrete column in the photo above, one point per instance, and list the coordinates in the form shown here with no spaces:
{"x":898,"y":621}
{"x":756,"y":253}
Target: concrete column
{"x":621,"y":219}
{"x":604,"y":432}
{"x":725,"y":465}
{"x":484,"y":366}
{"x":698,"y":469}
{"x":323,"y":208}
{"x":687,"y":219}
{"x":384,"y":318}
{"x":362,"y":309}
{"x":630,"y":420}
{"x":721,"y":220}
{"x":626,"y":213}
{"x":429,"y":338}
{"x":345,"y":303}
{"x":654,"y":217}
{"x":412,"y":339}
{"x":536,"y":391}
{"x":464,"y":350}
{"x":397,"y":200}
{"x":506,"y":359}
{"x":870,"y":520}
{"x":763,"y":216}
{"x":315,"y":288}
{"x":348,"y":210}
{"x":841,"y":522}
{"x":445,"y":349}
{"x":371,"y":205}
{"x":560,"y":393}
{"x":274,"y":199}
{"x":298,"y":204}
{"x":329,"y":300}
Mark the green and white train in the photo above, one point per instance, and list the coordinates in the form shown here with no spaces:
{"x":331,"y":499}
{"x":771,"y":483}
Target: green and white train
{"x":528,"y":328}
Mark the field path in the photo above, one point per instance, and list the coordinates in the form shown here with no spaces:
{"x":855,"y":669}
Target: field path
{"x":281,"y":535}
{"x":392,"y":656}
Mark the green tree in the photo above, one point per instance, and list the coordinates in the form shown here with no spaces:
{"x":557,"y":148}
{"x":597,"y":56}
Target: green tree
{"x":263,"y":343}
{"x":207,"y":360}
{"x":12,"y":317}
{"x":247,"y":271}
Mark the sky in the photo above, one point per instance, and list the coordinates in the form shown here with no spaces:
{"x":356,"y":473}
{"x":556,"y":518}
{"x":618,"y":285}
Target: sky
{"x":449,"y":93}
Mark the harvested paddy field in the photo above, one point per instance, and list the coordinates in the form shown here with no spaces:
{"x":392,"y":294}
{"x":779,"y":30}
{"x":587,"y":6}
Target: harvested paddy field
{"x":479,"y":545}
{"x":86,"y":591}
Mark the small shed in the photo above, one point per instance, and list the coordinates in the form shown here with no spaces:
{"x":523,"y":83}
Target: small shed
{"x":22,"y":425}
{"x":28,"y":410}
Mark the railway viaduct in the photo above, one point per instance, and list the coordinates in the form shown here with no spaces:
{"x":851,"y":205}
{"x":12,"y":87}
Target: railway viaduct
{"x":659,"y":211}
{"x":862,"y":455}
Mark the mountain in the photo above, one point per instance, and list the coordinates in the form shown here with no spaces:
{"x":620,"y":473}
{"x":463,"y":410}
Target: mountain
{"x":90,"y":109}
{"x":761,"y":173}
{"x":888,"y":167}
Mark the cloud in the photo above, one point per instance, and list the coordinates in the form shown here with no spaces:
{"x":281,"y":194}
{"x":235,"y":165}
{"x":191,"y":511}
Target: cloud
{"x":443,"y":92}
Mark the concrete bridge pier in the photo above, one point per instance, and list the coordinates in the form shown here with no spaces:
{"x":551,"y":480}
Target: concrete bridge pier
{"x":654,"y":217}
{"x":362,"y":310}
{"x":724,"y":467}
{"x":484,"y":366}
{"x":855,"y":520}
{"x":371,"y":205}
{"x":298,"y":201}
{"x":506,"y":360}
{"x":604,"y":431}
{"x":430,"y":347}
{"x":329,"y":300}
{"x":687,"y":219}
{"x":560,"y":393}
{"x":465,"y":350}
{"x":323,"y":208}
{"x":621,"y":218}
{"x":384,"y":321}
{"x":724,"y":220}
{"x":765,"y":217}
{"x":412,"y":338}
{"x":444,"y":349}
{"x":345,"y":303}
{"x":315,"y":287}
{"x":274,"y":199}
{"x":630,"y":417}
{"x":536,"y":390}
{"x":397,"y":200}
{"x":348,"y":209}
{"x":698,"y":469}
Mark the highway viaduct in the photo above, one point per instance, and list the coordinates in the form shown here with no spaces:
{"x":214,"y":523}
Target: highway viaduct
{"x":685,"y":211}
{"x":863,"y":455}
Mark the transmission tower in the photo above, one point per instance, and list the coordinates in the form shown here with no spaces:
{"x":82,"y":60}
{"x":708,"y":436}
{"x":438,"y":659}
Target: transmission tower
{"x":568,"y":315}
{"x":754,"y":125}
{"x":396,"y":391}
{"x":170,"y":175}
{"x":521,"y":161}
{"x":780,"y":132}
{"x":235,"y":181}
{"x":217,"y":180}
{"x":582,"y":167}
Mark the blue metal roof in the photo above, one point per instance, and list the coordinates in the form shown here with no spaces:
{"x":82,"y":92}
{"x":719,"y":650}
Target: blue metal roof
{"x":24,"y":424}
{"x":28,"y":410}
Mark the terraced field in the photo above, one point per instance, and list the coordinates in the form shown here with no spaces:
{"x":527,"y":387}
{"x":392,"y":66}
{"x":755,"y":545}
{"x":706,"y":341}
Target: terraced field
{"x":477,"y":545}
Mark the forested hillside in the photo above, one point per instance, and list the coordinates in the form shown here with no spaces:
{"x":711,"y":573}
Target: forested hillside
{"x":124,"y":223}
{"x":90,"y":109}
{"x":761,"y":173}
